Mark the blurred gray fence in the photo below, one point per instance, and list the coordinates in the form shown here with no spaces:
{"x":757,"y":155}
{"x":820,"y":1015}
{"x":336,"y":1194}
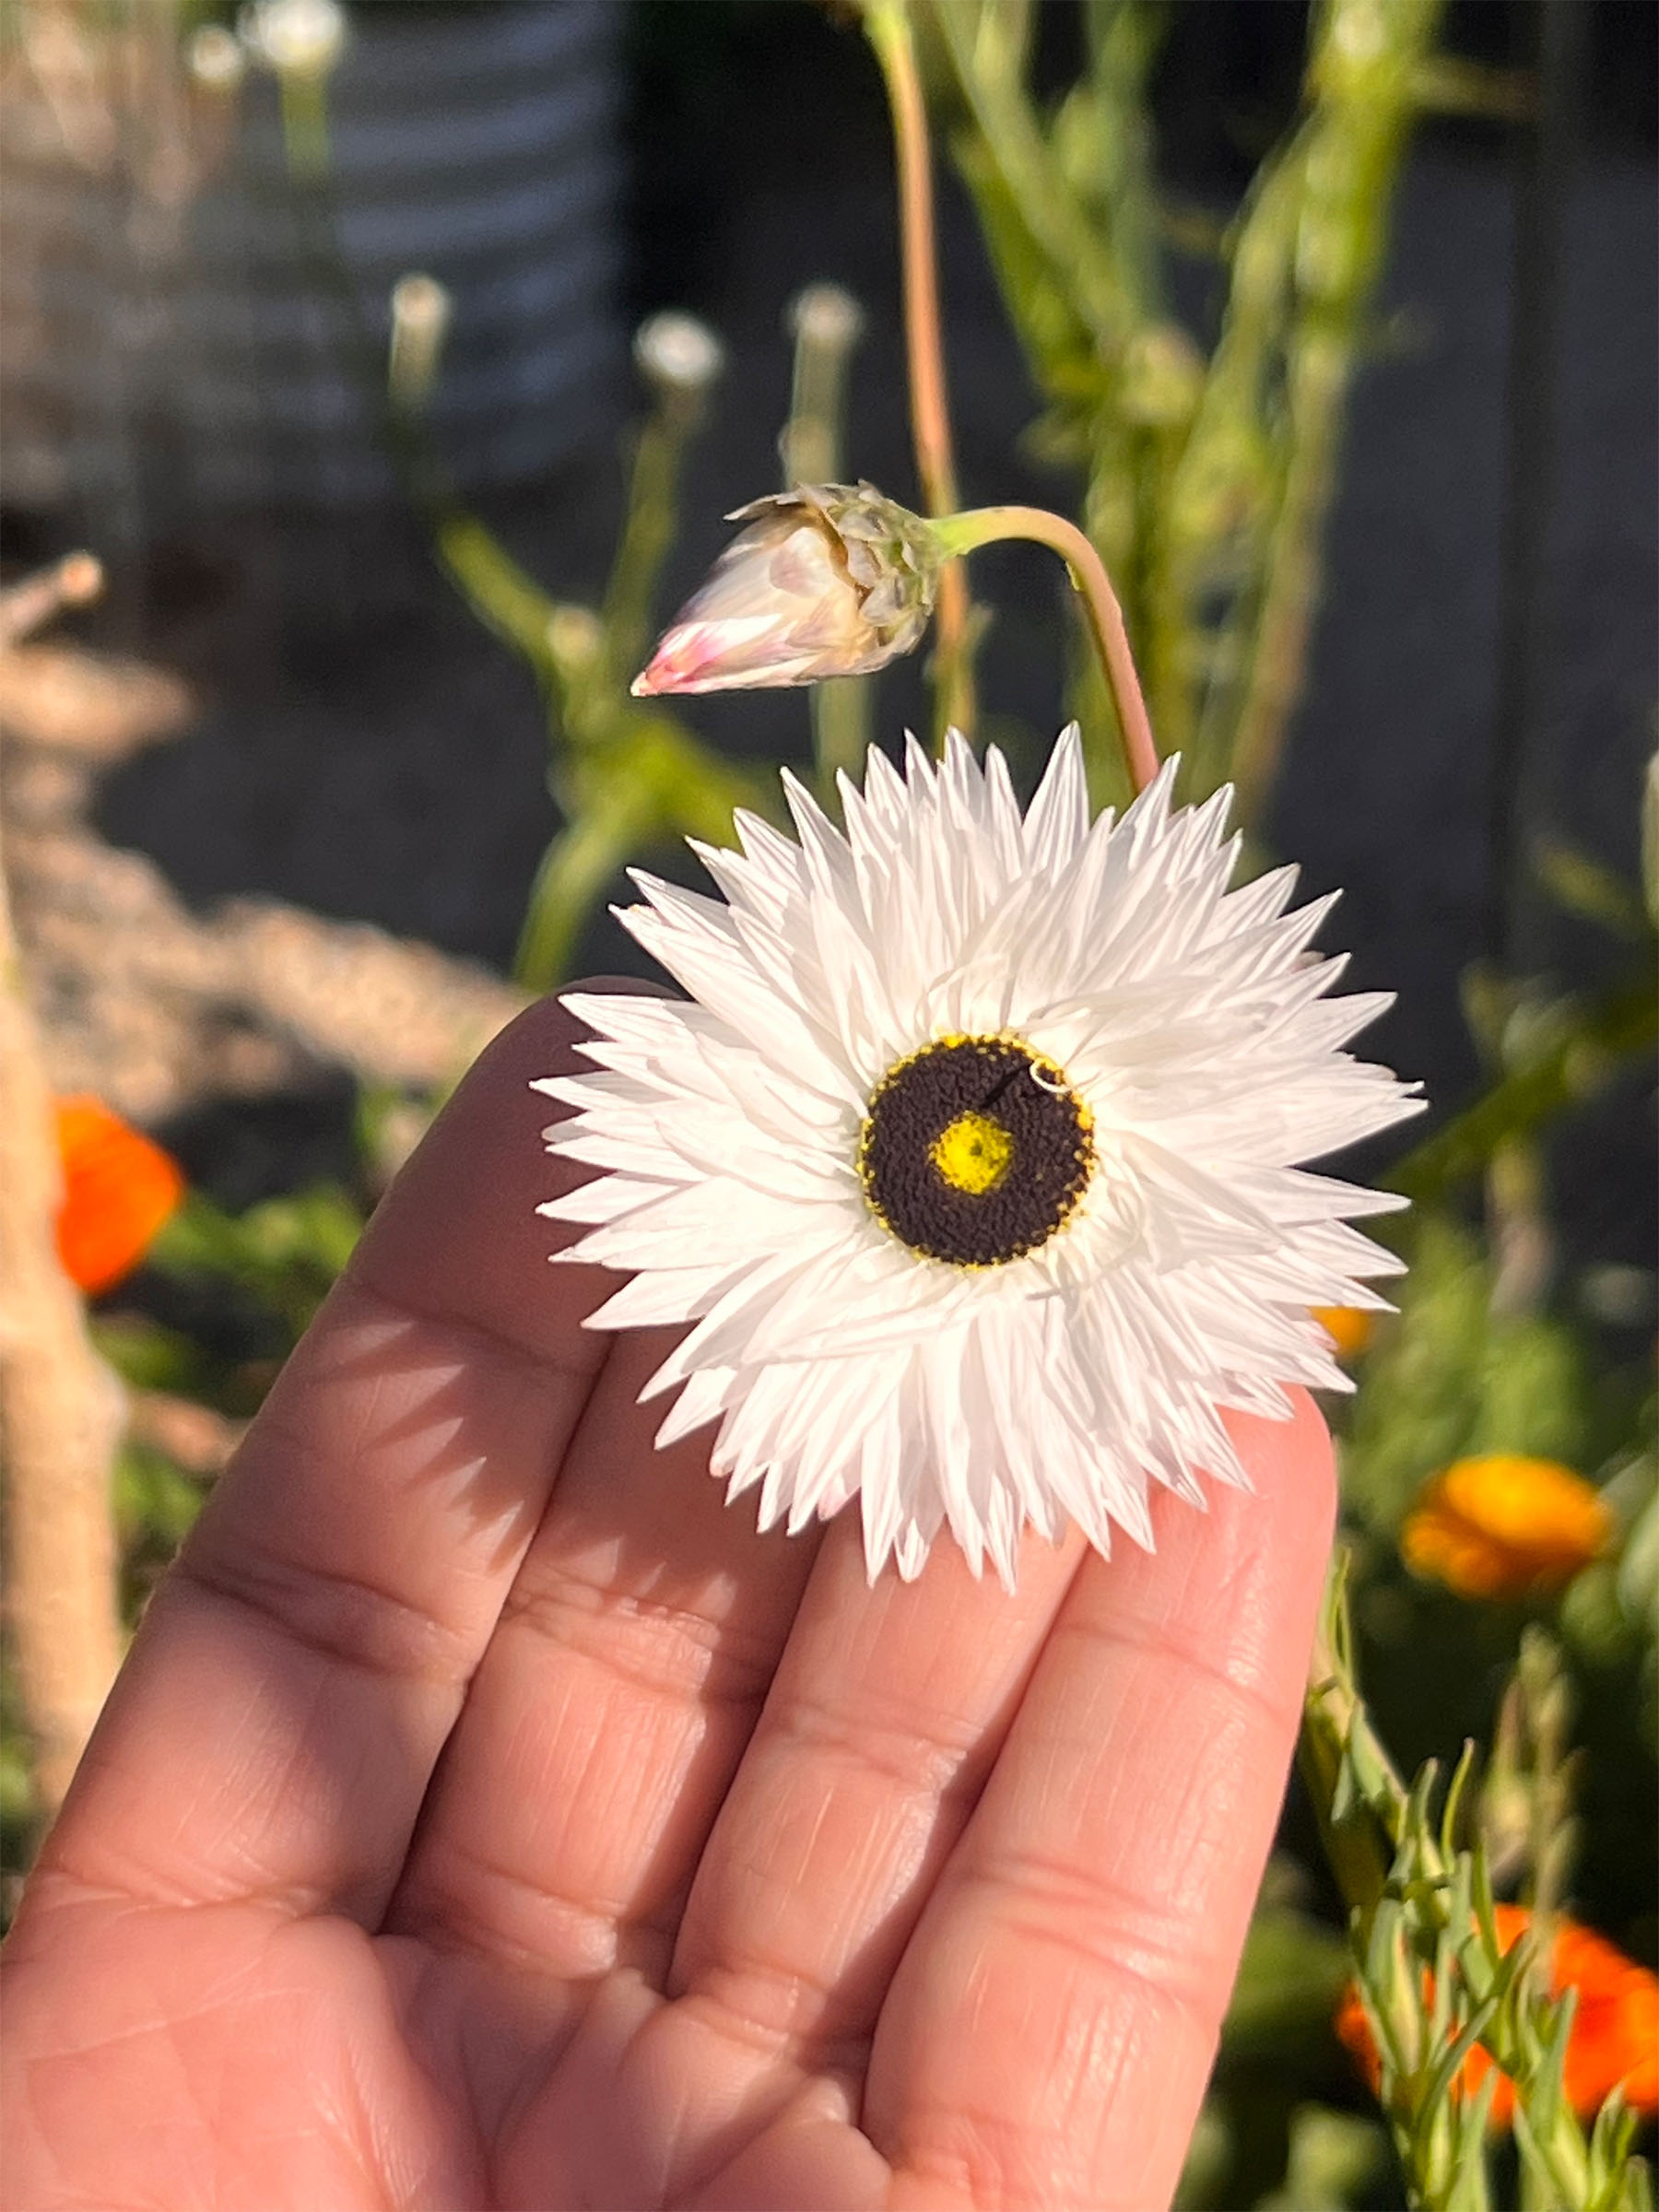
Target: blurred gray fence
{"x":187,"y":331}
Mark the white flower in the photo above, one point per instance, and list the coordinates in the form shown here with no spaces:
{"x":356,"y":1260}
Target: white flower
{"x":973,"y":1156}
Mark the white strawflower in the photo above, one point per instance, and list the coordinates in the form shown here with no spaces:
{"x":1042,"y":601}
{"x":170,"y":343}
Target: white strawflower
{"x":973,"y":1156}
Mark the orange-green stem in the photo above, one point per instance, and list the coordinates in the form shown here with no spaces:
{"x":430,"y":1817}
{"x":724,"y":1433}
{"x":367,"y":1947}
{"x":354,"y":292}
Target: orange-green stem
{"x":986,"y":525}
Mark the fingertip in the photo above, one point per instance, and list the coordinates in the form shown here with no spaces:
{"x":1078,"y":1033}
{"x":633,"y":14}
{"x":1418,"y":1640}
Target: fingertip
{"x":1243,"y":1581}
{"x":1295,"y":1455}
{"x":1239,"y":1582}
{"x":457,"y":1236}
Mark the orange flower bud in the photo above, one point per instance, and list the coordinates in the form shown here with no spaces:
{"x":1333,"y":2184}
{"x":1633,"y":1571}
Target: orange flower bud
{"x":1502,"y":1525}
{"x":828,"y":580}
{"x":1348,"y":1327}
{"x":118,"y":1189}
{"x":1615,"y":2038}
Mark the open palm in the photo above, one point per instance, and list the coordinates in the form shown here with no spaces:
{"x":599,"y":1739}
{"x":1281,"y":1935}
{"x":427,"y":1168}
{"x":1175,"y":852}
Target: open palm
{"x":487,"y":1816}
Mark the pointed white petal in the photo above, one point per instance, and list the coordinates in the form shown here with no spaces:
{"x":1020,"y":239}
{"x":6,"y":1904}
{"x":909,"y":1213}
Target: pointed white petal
{"x":1057,"y":820}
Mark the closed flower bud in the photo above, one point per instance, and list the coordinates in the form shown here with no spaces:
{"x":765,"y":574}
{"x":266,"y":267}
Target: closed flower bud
{"x":828,"y":580}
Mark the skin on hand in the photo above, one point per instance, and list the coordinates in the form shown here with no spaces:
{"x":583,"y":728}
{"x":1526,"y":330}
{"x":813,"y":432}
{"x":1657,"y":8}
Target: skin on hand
{"x":487,"y":1816}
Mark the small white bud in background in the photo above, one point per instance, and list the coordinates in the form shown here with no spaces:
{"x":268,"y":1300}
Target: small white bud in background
{"x":215,"y":59}
{"x":296,"y":38}
{"x":75,"y":580}
{"x":824,"y":315}
{"x":421,"y":320}
{"x":678,"y":356}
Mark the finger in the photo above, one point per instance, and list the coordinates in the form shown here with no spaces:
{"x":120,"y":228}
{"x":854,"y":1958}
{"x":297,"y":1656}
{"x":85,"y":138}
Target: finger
{"x":1052,"y":2027}
{"x":628,"y":2115}
{"x":603,"y":1724}
{"x":277,"y":1722}
{"x":811,"y":2158}
{"x":885,"y":1714}
{"x":889,"y":1707}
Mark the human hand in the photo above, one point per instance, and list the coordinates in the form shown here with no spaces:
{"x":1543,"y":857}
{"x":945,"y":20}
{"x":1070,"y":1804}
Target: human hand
{"x":487,"y":1816}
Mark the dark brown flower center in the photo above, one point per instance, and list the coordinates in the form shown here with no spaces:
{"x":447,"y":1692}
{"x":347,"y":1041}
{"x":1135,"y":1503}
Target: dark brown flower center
{"x":975,"y":1150}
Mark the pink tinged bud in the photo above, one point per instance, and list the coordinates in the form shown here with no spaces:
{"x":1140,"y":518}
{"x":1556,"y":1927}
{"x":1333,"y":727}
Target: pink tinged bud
{"x":829,"y":580}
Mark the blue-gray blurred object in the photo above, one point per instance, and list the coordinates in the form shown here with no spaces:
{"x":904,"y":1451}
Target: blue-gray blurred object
{"x":192,"y":329}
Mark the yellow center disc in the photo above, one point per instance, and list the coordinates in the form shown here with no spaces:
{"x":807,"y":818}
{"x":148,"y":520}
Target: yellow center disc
{"x":972,"y":1153}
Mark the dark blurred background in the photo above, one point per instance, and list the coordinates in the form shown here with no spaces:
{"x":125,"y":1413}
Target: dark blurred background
{"x":1484,"y":671}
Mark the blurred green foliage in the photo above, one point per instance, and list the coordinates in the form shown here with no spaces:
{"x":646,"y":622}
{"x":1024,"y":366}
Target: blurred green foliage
{"x":285,"y":1252}
{"x":1206,"y":480}
{"x":1450,"y":1378}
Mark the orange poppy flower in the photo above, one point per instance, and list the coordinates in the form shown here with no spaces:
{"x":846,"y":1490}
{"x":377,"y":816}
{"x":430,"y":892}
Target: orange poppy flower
{"x":1348,"y":1327}
{"x":118,"y":1189}
{"x":1505,"y":1526}
{"x":1615,"y":2039}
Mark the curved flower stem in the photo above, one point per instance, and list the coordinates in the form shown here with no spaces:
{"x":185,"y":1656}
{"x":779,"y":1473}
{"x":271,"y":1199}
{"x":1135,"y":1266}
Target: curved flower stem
{"x":888,"y":26}
{"x":985,"y":525}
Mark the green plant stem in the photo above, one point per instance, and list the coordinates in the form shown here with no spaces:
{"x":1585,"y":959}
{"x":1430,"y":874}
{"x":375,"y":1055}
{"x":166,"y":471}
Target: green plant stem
{"x":1415,"y":1898}
{"x":1290,"y":595}
{"x":840,"y":728}
{"x":1341,"y":1756}
{"x":652,"y":518}
{"x":887,"y":24}
{"x":302,"y":98}
{"x":1211,"y":516}
{"x":648,"y":779}
{"x":578,"y":864}
{"x":986,"y":51}
{"x":826,"y":326}
{"x":1363,"y":74}
{"x":989,"y":525}
{"x":307,"y":153}
{"x":810,"y":443}
{"x":498,"y":592}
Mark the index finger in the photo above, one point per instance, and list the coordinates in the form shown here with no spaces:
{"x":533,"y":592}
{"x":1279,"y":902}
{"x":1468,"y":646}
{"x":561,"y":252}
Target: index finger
{"x":1052,"y":2027}
{"x":300,"y":1667}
